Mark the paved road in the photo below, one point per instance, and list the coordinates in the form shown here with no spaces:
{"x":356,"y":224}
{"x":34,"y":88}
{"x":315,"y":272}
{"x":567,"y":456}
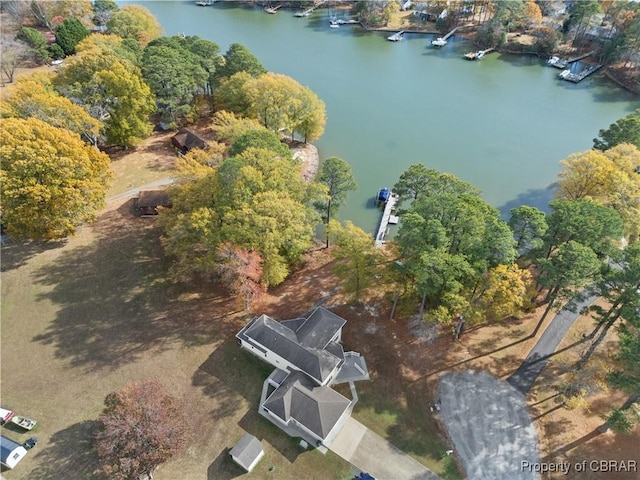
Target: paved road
{"x":489,"y":425}
{"x":371,"y":453}
{"x":526,"y":375}
{"x":134,"y":191}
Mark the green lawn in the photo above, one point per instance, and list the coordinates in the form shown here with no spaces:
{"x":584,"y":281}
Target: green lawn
{"x":83,"y":318}
{"x":406,"y":424}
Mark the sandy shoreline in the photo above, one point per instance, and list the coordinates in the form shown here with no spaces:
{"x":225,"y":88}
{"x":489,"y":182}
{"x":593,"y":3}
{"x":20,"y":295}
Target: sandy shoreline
{"x":310,"y":158}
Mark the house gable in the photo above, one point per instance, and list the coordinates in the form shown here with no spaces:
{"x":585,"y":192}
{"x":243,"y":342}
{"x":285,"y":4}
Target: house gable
{"x":281,"y":348}
{"x":318,"y":409}
{"x":187,"y":139}
{"x":308,"y":357}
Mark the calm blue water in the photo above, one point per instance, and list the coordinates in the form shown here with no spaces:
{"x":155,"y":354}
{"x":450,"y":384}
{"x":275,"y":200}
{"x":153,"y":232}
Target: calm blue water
{"x":502,"y":123}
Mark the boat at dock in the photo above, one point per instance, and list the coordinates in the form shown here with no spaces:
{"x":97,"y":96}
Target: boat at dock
{"x":390,"y":200}
{"x":396,"y":37}
{"x":383,"y":195}
{"x":439,"y":42}
{"x":205,"y":3}
{"x":477,"y":55}
{"x":570,"y":76}
{"x":557,"y":62}
{"x":272,"y":10}
{"x":562,"y":63}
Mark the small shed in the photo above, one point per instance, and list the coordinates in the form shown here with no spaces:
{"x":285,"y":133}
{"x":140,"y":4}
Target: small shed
{"x":149,"y":201}
{"x":247,"y":452}
{"x":187,"y":139}
{"x":10,"y":452}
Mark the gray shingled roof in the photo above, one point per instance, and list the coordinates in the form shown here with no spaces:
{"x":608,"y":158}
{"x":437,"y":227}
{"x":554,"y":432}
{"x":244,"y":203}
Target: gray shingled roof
{"x":246,"y":451}
{"x":269,"y":334}
{"x":320,"y":328}
{"x":317,"y":408}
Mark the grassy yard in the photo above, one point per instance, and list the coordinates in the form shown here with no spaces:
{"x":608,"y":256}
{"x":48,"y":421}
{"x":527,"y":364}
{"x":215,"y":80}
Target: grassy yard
{"x":151,"y":160}
{"x":84,"y":317}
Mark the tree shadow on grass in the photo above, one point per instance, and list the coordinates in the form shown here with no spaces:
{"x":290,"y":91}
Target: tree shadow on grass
{"x":70,"y":454}
{"x":228,"y":375}
{"x":265,"y":431}
{"x":16,"y":253}
{"x":114,"y":301}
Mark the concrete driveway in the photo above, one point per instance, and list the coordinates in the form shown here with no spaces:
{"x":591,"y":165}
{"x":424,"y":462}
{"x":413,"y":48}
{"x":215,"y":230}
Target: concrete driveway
{"x":373,"y":454}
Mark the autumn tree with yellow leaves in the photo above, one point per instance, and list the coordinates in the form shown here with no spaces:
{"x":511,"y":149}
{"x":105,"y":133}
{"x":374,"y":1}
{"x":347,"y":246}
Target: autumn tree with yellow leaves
{"x":34,"y":97}
{"x":51,"y":180}
{"x":607,"y":177}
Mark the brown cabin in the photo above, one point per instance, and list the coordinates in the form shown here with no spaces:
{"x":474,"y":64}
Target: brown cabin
{"x":149,"y":201}
{"x":187,"y":139}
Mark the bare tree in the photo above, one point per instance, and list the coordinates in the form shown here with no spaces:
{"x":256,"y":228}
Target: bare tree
{"x":12,"y":54}
{"x":18,"y":10}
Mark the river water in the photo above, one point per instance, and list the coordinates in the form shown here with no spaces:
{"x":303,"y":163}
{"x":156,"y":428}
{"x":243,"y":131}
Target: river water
{"x":502,"y":123}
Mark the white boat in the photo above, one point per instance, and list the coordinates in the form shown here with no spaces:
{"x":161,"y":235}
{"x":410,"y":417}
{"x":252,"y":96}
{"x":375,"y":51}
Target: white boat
{"x":334,"y":25}
{"x":396,"y":37}
{"x":564,"y":73}
{"x":205,"y":3}
{"x":23,"y":422}
{"x":553,"y":60}
{"x":480,"y":54}
{"x":439,"y":42}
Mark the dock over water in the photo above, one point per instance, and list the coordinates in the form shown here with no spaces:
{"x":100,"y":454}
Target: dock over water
{"x":387,"y":218}
{"x":310,"y":10}
{"x":577,"y":77}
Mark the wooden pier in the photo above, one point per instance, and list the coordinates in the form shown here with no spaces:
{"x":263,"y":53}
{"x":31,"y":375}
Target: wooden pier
{"x":272,"y":10}
{"x":562,"y":63}
{"x":446,"y":37}
{"x":477,"y":55}
{"x":310,"y":10}
{"x":577,"y":77}
{"x":387,"y":219}
{"x":396,"y":37}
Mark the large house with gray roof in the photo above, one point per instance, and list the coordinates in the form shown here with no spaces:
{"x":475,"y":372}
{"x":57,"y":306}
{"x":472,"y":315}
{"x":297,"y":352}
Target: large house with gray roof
{"x":308,"y":358}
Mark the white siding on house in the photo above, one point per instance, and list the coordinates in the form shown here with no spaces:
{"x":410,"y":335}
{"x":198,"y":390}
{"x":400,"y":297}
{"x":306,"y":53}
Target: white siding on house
{"x":269,"y":357}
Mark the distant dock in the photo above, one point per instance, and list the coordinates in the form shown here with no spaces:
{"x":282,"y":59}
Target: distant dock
{"x":442,"y":41}
{"x":562,"y":63}
{"x":310,"y":10}
{"x":577,"y":77}
{"x":396,"y":37}
{"x":477,"y":55}
{"x":387,"y":219}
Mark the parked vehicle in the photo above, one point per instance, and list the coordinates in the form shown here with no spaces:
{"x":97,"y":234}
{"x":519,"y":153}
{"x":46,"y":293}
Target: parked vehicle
{"x":30,"y":443}
{"x":5,"y":415}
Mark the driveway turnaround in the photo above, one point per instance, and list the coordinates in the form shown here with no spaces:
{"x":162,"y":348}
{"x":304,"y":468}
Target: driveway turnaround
{"x":372,"y":454}
{"x":489,"y":426}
